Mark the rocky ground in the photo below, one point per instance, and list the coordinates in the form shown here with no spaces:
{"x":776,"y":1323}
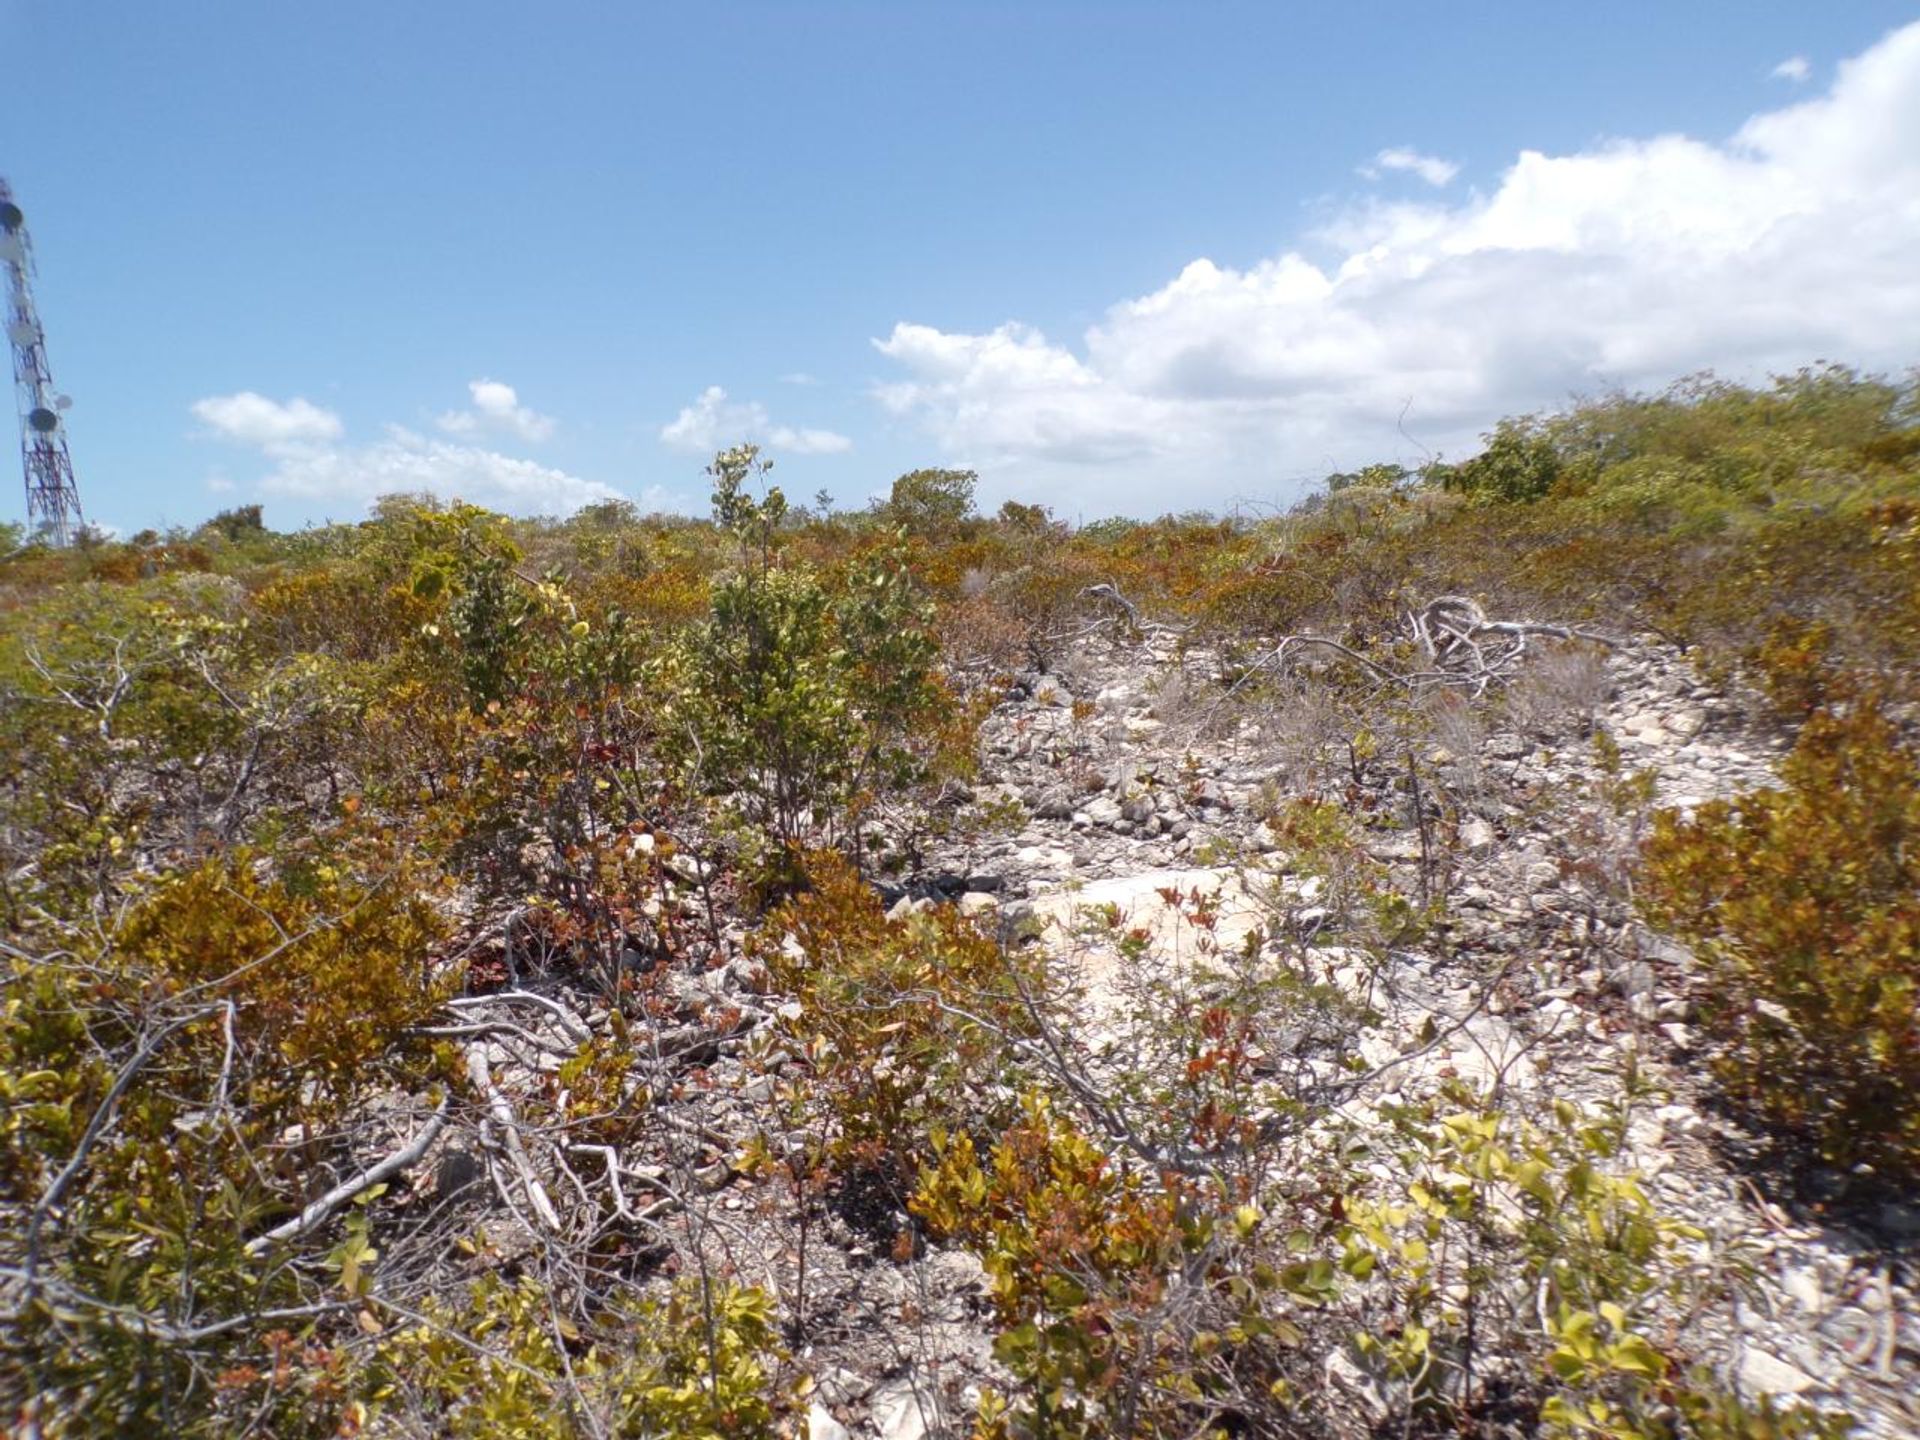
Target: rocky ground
{"x":1119,"y":774}
{"x":1833,"y":1317}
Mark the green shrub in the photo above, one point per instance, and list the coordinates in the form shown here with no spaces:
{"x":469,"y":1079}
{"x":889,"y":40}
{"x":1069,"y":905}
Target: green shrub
{"x":1805,"y":905}
{"x":698,"y":1364}
{"x":1082,"y":1258}
{"x":796,"y":696}
{"x":1519,"y":464}
{"x":930,"y":502}
{"x":902,"y":1023}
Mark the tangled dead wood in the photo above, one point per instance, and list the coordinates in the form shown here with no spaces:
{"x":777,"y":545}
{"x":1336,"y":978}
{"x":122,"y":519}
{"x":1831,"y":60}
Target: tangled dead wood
{"x":1463,"y":648}
{"x":1120,"y":606}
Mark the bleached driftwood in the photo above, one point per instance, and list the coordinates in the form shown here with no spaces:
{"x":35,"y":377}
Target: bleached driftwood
{"x":322,"y":1209}
{"x":507,"y":1128}
{"x":1463,"y":647}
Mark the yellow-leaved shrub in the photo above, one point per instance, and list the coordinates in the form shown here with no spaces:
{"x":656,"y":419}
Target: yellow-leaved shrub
{"x":1804,"y":903}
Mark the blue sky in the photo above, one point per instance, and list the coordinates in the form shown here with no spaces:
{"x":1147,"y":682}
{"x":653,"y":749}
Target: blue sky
{"x":1119,"y":258}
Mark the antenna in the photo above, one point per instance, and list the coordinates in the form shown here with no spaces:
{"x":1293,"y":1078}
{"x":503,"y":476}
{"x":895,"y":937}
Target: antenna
{"x":53,"y":501}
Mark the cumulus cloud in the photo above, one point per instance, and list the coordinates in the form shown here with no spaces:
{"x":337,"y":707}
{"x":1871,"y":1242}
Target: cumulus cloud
{"x":497,"y":407}
{"x":1012,"y":393}
{"x":406,"y":461}
{"x":253,"y":419}
{"x":1625,"y":264}
{"x":713,"y":422}
{"x":808,"y":441}
{"x":309,"y":463}
{"x":699,"y":426}
{"x":1430,"y":168}
{"x":1794,"y":68}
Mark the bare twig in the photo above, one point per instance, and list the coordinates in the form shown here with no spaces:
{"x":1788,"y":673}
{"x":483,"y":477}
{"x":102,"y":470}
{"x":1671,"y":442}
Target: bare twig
{"x":501,"y":1112}
{"x":569,"y":1022}
{"x":322,"y":1209}
{"x":1464,"y":649}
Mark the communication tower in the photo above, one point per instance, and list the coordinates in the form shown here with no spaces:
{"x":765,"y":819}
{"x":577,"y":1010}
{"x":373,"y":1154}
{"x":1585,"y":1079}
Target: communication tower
{"x":53,"y":501}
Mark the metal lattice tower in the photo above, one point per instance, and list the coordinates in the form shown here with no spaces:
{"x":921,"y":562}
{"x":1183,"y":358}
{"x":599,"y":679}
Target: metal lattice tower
{"x":53,"y":501}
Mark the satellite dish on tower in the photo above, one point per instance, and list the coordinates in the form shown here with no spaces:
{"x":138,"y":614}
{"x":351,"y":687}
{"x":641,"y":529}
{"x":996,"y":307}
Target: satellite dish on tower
{"x":10,"y":216}
{"x":22,"y":333}
{"x":43,"y":420}
{"x":63,"y":402}
{"x":11,"y":249}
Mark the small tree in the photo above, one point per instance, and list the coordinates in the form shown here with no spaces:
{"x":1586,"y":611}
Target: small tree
{"x":800,"y":698}
{"x":1025,"y":519}
{"x":238,"y":523}
{"x":1519,"y":464}
{"x":930,"y":502}
{"x":1370,"y":477}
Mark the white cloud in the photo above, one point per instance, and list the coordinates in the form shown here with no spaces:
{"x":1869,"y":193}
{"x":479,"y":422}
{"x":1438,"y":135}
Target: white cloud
{"x":255,"y":420}
{"x":701,"y":425}
{"x":496,"y":406}
{"x":1628,"y":263}
{"x":405,"y":461}
{"x":302,"y":442}
{"x":799,"y":377}
{"x":1013,"y":394}
{"x":1794,"y":68}
{"x":713,"y":422}
{"x":1430,"y":168}
{"x":808,"y":441}
{"x":659,"y":500}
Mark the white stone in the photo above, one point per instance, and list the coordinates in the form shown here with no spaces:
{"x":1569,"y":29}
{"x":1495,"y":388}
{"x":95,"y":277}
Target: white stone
{"x":1802,"y":1284}
{"x":1770,"y":1375}
{"x":898,"y":1412}
{"x":1306,"y":888}
{"x":1686,"y":723}
{"x":1399,"y":846}
{"x":1349,"y":1377}
{"x":822,"y":1426}
{"x":1171,"y":939}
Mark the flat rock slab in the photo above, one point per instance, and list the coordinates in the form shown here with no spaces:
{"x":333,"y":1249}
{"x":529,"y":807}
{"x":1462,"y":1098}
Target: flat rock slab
{"x":1074,"y":919}
{"x":1095,"y":926}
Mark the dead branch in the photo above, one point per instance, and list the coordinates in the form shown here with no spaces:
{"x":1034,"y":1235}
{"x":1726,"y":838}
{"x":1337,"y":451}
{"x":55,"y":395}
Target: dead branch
{"x":496,"y":1029}
{"x":1110,"y":595}
{"x":576,"y":1028}
{"x":71,"y":1304}
{"x":1463,"y":647}
{"x":323,"y":1209}
{"x":500,"y":1111}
